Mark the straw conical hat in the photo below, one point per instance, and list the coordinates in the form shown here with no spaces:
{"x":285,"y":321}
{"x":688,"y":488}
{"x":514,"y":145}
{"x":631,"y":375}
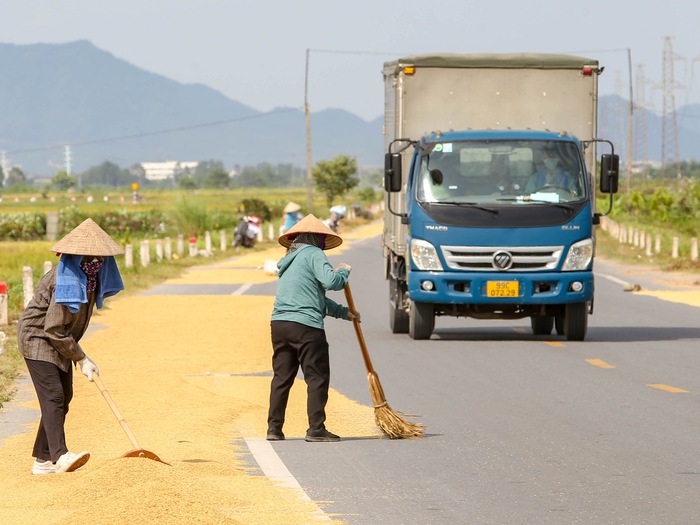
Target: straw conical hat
{"x":291,"y":207}
{"x":88,"y":239}
{"x":311,"y":224}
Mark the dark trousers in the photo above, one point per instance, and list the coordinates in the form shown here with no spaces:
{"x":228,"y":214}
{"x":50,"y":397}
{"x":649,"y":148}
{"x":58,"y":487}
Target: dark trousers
{"x":54,"y":389}
{"x":295,"y":345}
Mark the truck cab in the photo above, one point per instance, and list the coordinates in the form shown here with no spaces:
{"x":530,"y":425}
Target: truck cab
{"x":500,"y":226}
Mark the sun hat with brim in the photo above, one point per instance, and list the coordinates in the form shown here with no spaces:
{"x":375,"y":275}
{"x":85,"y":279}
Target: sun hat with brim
{"x":88,"y":239}
{"x":291,"y":207}
{"x":311,"y":224}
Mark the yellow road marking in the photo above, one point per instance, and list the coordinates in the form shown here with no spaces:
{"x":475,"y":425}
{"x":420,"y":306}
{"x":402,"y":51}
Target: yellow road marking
{"x":599,"y":363}
{"x":667,"y":388}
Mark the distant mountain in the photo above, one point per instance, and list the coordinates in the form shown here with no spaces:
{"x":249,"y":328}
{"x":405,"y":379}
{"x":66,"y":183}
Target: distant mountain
{"x":107,"y":109}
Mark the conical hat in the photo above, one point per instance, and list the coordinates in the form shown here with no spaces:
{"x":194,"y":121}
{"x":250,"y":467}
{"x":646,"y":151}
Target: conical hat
{"x":291,"y":207}
{"x":88,"y":239}
{"x":311,"y":224}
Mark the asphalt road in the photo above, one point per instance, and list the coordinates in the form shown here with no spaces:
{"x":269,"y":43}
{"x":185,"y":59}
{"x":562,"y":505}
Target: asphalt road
{"x":520,"y":429}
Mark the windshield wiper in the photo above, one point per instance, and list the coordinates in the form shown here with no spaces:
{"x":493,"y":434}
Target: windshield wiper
{"x":566,"y":207}
{"x":469,"y":205}
{"x":563,"y":206}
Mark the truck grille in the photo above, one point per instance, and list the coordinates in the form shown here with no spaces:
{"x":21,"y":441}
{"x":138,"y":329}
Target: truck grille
{"x":506,"y":258}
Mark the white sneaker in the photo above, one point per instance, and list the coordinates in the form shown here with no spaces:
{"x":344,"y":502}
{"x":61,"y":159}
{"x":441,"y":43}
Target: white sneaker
{"x":69,"y":461}
{"x":43,"y":467}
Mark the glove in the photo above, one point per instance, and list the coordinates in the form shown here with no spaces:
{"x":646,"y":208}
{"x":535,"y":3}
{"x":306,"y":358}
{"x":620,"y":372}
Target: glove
{"x":343,"y":265}
{"x":88,"y":367}
{"x":354,"y":316}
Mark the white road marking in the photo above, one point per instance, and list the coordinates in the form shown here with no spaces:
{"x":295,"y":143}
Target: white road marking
{"x":242,"y":289}
{"x":614,"y":279}
{"x":272,"y":466}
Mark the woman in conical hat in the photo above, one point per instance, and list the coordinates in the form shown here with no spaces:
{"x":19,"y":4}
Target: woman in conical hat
{"x":291,"y":216}
{"x":51,"y":327}
{"x":298,"y":334}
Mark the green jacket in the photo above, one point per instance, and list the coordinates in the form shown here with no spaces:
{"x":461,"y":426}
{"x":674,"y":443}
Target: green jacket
{"x":304,"y":277}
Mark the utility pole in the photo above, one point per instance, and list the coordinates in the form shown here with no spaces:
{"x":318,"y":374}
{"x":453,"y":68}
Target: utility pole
{"x":670,"y":153}
{"x":630,"y":119}
{"x":641,"y":132}
{"x":3,"y":165}
{"x":309,"y":177}
{"x":68,"y":159}
{"x":69,"y":164}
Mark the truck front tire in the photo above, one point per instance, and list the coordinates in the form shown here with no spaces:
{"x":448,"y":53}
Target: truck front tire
{"x":421,"y":320}
{"x":576,"y":321}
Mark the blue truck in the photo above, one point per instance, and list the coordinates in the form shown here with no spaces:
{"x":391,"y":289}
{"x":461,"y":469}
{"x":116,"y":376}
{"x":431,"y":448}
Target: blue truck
{"x":490,"y":180}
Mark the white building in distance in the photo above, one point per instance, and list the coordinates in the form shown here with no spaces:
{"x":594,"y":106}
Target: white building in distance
{"x":158,"y":171}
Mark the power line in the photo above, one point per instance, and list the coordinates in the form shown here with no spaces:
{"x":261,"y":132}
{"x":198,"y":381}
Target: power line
{"x":154,"y":133}
{"x":348,"y":52}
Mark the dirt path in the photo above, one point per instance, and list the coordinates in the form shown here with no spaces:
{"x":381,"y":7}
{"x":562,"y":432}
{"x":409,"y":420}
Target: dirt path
{"x":190,"y":374}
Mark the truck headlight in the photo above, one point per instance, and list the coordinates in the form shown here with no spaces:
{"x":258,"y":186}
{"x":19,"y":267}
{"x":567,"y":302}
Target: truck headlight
{"x":424,"y":255}
{"x":579,"y":256}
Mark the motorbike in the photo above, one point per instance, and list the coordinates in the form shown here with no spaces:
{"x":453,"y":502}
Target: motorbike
{"x":247,"y":231}
{"x":337,"y":214}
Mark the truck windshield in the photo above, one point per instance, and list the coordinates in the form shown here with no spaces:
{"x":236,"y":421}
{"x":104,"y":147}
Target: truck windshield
{"x":512,"y":173}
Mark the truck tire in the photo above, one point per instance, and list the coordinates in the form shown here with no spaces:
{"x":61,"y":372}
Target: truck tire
{"x":542,"y":324}
{"x":398,"y":320}
{"x":421,"y":320}
{"x":559,"y":324}
{"x":398,"y":316}
{"x":576,"y":321}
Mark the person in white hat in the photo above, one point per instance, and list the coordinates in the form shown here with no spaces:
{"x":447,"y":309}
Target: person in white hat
{"x":298,"y":335}
{"x":50,"y":328}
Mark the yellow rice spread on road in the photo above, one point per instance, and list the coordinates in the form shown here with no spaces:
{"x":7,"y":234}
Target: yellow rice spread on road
{"x":190,"y":374}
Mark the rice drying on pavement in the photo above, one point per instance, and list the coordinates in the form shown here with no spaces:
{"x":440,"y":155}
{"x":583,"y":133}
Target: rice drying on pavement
{"x":190,"y":375}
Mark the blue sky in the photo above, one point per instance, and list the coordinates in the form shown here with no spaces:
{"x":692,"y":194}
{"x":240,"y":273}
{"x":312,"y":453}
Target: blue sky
{"x":255,"y":52}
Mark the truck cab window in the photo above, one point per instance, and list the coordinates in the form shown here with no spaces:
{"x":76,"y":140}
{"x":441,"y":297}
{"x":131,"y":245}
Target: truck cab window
{"x":515,"y":174}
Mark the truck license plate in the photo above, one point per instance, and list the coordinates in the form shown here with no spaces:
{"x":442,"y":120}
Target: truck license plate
{"x":502,"y":288}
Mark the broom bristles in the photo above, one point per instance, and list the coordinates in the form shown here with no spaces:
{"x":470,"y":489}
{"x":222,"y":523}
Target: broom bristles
{"x":388,"y":420}
{"x":394,"y":426}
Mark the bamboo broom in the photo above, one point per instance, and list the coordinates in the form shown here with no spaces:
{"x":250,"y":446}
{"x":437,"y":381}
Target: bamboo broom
{"x":388,"y":420}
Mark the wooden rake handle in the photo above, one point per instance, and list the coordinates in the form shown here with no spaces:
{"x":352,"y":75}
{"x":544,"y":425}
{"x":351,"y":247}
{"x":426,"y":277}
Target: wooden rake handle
{"x":110,"y":402}
{"x":358,"y":330}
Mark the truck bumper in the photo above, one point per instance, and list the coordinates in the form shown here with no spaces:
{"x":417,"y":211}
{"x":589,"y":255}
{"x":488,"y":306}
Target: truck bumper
{"x":471,"y":288}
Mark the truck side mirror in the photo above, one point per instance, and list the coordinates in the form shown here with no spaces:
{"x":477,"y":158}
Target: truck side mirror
{"x":609,"y":173}
{"x":392,"y":172}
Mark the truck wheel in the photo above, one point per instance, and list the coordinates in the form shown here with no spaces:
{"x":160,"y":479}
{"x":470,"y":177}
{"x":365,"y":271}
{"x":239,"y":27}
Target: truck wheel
{"x":542,"y":324}
{"x":559,"y":324}
{"x":576,"y":321}
{"x":421,"y":320}
{"x":398,"y":320}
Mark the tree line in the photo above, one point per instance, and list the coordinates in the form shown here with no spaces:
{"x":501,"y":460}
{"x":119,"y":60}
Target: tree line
{"x":334,"y":178}
{"x":207,"y":174}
